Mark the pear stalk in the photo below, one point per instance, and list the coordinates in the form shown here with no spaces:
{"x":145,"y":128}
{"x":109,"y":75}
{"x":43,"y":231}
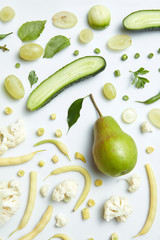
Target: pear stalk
{"x":95,"y":105}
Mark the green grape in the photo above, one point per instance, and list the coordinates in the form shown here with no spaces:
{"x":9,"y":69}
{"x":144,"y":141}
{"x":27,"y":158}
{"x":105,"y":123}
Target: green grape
{"x":14,"y":87}
{"x":31,"y":51}
{"x":6,"y":14}
{"x":86,"y":35}
{"x":109,"y":91}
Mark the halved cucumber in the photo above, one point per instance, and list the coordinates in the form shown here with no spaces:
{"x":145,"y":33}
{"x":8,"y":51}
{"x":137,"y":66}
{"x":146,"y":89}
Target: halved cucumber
{"x":142,"y":20}
{"x":73,"y":72}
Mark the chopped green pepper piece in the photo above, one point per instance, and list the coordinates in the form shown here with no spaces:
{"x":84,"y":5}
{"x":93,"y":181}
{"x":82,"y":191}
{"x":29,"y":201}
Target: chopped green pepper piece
{"x":137,"y":55}
{"x":76,"y":53}
{"x":150,"y":55}
{"x":117,"y":73}
{"x":125,"y":98}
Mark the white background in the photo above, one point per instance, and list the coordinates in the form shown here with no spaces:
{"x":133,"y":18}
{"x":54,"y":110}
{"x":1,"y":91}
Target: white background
{"x":80,"y":137}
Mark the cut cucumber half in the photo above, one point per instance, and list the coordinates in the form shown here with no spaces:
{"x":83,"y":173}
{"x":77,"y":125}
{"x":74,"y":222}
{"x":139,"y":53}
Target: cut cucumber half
{"x":73,"y":72}
{"x":142,"y":20}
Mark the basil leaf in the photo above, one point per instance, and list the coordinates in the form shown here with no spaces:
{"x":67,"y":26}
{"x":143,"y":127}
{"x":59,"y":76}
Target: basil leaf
{"x":55,"y":45}
{"x":74,"y":112}
{"x":31,"y":30}
{"x":2,"y":36}
{"x":32,"y":78}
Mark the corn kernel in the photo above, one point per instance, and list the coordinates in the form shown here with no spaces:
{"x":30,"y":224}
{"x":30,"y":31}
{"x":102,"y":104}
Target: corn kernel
{"x":80,"y":156}
{"x":41,"y":163}
{"x":58,"y":133}
{"x":8,"y":111}
{"x":21,"y":173}
{"x":40,"y":132}
{"x":98,"y":182}
{"x":53,"y":116}
{"x":149,"y":149}
{"x":55,"y":159}
{"x":91,"y":203}
{"x":85,"y":213}
{"x":114,"y":236}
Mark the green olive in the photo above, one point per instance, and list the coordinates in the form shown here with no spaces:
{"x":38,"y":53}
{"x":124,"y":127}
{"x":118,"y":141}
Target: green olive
{"x":31,"y":51}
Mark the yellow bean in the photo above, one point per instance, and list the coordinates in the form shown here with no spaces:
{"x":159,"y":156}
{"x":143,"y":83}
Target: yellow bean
{"x":80,"y":157}
{"x":153,"y":201}
{"x":61,"y":146}
{"x":31,"y":202}
{"x":40,"y":226}
{"x":86,"y":175}
{"x":62,"y":236}
{"x":17,"y":160}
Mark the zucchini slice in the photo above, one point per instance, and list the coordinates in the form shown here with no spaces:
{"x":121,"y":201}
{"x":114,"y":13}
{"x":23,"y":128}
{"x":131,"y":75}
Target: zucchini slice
{"x":143,"y":20}
{"x":73,"y":72}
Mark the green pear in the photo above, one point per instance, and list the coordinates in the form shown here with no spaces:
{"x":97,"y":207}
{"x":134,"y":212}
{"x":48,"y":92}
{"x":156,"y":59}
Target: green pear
{"x":114,"y":151}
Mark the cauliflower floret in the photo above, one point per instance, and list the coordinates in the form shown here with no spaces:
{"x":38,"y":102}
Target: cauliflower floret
{"x":134,"y":182}
{"x":9,"y":200}
{"x":44,"y":190}
{"x":65,"y":191}
{"x":146,"y":127}
{"x":11,"y":136}
{"x":61,"y":220}
{"x":117,"y":207}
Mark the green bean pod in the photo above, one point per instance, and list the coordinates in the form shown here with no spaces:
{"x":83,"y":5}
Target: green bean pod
{"x":151,"y":100}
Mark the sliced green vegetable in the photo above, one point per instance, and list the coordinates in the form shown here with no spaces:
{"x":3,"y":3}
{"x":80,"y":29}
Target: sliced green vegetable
{"x":151,"y":100}
{"x":76,"y":53}
{"x":97,"y":50}
{"x":55,"y":45}
{"x":140,"y":81}
{"x":117,"y":73}
{"x":150,"y":55}
{"x":31,"y":30}
{"x":80,"y":69}
{"x":142,"y":20}
{"x":32,"y":78}
{"x":2,"y":36}
{"x":124,"y":57}
{"x":74,"y":112}
{"x":125,"y":98}
{"x":137,"y":55}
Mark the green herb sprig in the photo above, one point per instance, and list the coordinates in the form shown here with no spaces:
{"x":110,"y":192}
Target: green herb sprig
{"x":140,"y":81}
{"x":2,"y":36}
{"x":4,"y":49}
{"x":32,"y":78}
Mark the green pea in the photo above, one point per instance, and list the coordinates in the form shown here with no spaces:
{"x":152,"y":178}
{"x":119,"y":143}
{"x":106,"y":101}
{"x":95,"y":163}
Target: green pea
{"x":97,"y":50}
{"x":117,"y":73}
{"x":150,"y":55}
{"x":76,"y":53}
{"x":17,"y":65}
{"x":124,"y":57}
{"x":125,"y":98}
{"x":137,"y":55}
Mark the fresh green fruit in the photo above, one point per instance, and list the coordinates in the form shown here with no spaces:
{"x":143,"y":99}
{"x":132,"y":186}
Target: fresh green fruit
{"x":7,"y":14}
{"x":99,"y":17}
{"x":14,"y":87}
{"x":31,"y":51}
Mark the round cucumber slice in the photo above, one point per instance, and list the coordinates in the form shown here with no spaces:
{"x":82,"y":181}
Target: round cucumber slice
{"x":129,"y":115}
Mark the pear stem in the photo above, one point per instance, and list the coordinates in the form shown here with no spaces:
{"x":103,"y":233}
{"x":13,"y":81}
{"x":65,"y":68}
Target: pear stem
{"x":94,"y":103}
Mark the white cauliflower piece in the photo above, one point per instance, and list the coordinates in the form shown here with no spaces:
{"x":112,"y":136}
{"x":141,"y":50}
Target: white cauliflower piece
{"x":134,"y":181}
{"x":65,"y":191}
{"x":146,"y":127}
{"x":61,"y":220}
{"x":44,"y":190}
{"x":9,"y":200}
{"x":117,"y":207}
{"x":11,"y":135}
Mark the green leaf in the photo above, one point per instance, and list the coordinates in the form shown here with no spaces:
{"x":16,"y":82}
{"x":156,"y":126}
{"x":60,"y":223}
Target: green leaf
{"x":55,"y":45}
{"x":32,"y":78}
{"x":74,"y":112}
{"x":140,"y":81}
{"x":31,"y":30}
{"x":2,"y":36}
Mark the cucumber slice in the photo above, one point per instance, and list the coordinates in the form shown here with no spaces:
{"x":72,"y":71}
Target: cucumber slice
{"x":142,"y":20}
{"x":73,"y":72}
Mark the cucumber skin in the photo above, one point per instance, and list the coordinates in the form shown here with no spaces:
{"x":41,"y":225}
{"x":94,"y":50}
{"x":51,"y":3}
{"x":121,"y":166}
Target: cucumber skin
{"x":70,"y":84}
{"x":141,"y":29}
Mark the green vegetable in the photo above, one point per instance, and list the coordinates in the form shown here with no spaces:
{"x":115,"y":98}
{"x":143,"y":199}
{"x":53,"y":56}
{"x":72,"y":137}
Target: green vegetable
{"x":4,"y":49}
{"x":55,"y":45}
{"x":140,"y":81}
{"x":159,"y":50}
{"x":31,"y":30}
{"x":74,"y":112}
{"x":117,"y":73}
{"x":125,"y":98}
{"x":80,"y":69}
{"x":150,"y":55}
{"x":151,"y":100}
{"x":17,"y":65}
{"x":159,"y":69}
{"x":32,"y":78}
{"x":142,"y":20}
{"x":2,"y":36}
{"x":97,"y":50}
{"x":124,"y":57}
{"x":137,"y":55}
{"x":76,"y":53}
